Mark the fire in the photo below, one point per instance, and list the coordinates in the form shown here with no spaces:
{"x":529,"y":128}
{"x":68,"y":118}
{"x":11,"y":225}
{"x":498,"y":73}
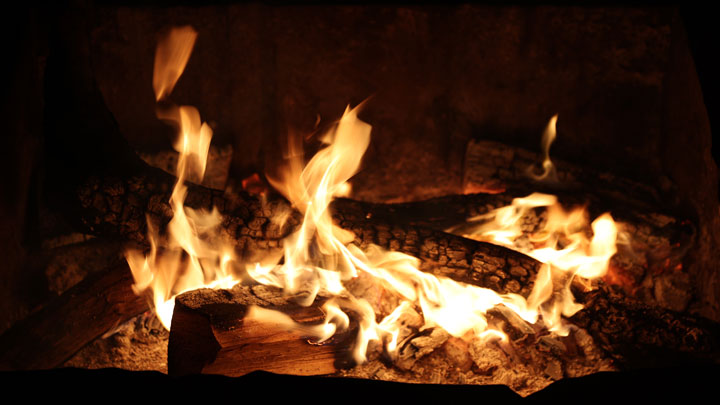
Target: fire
{"x":561,"y":242}
{"x":319,"y":258}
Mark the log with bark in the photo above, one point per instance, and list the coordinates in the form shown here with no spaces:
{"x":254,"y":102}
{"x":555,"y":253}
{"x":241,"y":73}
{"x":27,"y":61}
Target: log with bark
{"x":654,"y":244}
{"x":493,"y":167}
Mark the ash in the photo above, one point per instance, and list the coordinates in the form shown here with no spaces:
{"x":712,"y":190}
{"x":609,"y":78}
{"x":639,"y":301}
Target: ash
{"x":522,"y":366}
{"x":139,"y":344}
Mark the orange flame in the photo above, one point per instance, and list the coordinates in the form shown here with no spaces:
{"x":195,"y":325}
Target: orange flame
{"x":171,"y":57}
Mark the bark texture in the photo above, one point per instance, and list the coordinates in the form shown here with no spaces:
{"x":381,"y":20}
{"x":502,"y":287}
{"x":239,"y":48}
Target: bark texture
{"x":639,"y":336}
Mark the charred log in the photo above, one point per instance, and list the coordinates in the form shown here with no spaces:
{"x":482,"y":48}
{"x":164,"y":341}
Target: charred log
{"x":655,"y":244}
{"x":447,"y":211}
{"x":640,"y":336}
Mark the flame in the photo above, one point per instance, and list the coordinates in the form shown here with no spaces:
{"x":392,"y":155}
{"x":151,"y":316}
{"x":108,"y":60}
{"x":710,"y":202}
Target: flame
{"x":194,"y":254}
{"x":549,"y":173}
{"x":561,"y":242}
{"x":319,"y":258}
{"x":171,"y":56}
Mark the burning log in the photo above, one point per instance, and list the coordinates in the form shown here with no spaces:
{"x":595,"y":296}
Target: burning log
{"x":444,"y":212}
{"x":656,"y":243}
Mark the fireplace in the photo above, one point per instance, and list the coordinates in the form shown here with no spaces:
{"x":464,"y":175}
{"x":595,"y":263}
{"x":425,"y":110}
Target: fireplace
{"x":449,"y":87}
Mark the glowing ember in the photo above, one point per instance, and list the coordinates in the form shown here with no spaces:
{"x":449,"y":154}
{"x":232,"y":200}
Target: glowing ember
{"x":319,"y":258}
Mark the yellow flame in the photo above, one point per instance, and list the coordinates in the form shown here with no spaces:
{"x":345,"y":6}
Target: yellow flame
{"x":171,"y":57}
{"x":562,"y":243}
{"x":549,"y":173}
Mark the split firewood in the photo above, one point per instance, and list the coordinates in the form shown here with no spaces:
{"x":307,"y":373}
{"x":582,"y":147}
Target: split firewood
{"x":83,"y":313}
{"x":211,"y":335}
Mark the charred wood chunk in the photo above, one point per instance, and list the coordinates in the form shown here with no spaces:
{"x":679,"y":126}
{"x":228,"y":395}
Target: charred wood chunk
{"x":637,"y":335}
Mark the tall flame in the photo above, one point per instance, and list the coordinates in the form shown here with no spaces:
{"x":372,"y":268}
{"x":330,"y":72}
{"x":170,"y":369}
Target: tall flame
{"x":318,"y":258}
{"x":194,"y":254}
